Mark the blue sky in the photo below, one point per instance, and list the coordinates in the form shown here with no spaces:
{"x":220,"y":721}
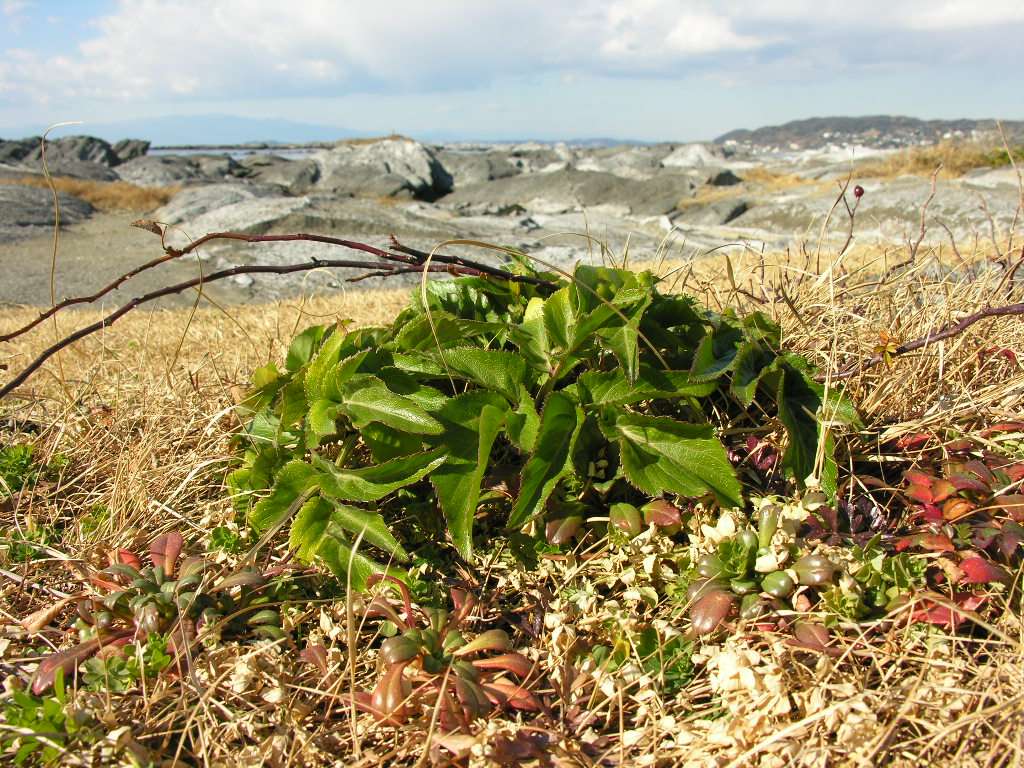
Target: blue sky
{"x":641,"y":69}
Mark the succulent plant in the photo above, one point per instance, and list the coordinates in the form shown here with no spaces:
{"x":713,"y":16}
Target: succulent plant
{"x":432,"y":663}
{"x":174,"y":597}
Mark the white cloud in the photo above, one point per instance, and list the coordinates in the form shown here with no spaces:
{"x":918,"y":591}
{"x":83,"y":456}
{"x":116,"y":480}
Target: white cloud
{"x":13,"y":7}
{"x":147,"y":50}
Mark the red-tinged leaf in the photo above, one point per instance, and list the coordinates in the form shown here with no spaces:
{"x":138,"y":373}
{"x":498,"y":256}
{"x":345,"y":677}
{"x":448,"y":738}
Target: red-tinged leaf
{"x":390,"y":696}
{"x":463,"y":604}
{"x":932,"y":542}
{"x":69,"y":660}
{"x":922,"y":493}
{"x":316,"y":655}
{"x":164,"y":551}
{"x":1011,"y":536}
{"x":661,"y":513}
{"x":491,"y":640}
{"x":1005,"y":426}
{"x":935,"y":542}
{"x":980,"y":470}
{"x":561,"y":530}
{"x":504,"y":693}
{"x":100,"y":580}
{"x":1014,"y":471}
{"x":244,"y":578}
{"x":978,"y":570}
{"x":125,"y":557}
{"x":912,"y":442}
{"x":931,"y":513}
{"x":1012,"y":504}
{"x":917,"y":477}
{"x":113,"y":648}
{"x":964,"y":482}
{"x":945,"y":616}
{"x":942,"y":490}
{"x":516,"y":663}
{"x":956,"y":508}
{"x":403,"y":591}
{"x":963,"y":445}
{"x":472,"y":698}
{"x":710,"y":611}
{"x":380,"y":608}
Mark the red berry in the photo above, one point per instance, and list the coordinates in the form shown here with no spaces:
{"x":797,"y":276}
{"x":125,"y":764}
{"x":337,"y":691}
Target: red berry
{"x":858,"y":191}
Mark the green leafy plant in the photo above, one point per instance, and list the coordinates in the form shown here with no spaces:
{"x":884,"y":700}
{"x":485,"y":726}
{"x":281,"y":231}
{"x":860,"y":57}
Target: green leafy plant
{"x":42,"y":728}
{"x":503,"y":398}
{"x":122,"y":671}
{"x":17,"y":468}
{"x":669,"y":661}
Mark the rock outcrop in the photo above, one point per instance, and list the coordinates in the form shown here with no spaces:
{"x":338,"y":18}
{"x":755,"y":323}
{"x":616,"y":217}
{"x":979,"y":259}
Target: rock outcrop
{"x":387,"y":168}
{"x":28,"y":211}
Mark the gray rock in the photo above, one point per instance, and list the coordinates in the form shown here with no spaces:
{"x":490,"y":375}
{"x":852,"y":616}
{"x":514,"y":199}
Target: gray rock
{"x":28,"y":211}
{"x":193,"y":202}
{"x":694,"y":156}
{"x":87,"y":149}
{"x":129,"y":149}
{"x":388,"y":168}
{"x":570,"y":190}
{"x":475,"y":166}
{"x":715,"y":213}
{"x":627,"y":162}
{"x":16,"y":150}
{"x":169,"y":170}
{"x":295,"y":176}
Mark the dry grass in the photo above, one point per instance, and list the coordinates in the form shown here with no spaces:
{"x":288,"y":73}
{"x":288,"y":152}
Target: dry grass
{"x":142,"y":413}
{"x":955,"y":157}
{"x":363,"y":141}
{"x":105,"y":195}
{"x":758,"y":180}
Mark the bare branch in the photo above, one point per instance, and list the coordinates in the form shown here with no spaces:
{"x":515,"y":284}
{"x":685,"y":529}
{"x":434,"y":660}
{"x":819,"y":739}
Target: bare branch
{"x":948,"y":332}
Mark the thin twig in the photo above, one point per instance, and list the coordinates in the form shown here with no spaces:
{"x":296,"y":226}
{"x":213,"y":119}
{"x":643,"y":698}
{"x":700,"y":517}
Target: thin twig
{"x":170,"y":290}
{"x":947,"y":332}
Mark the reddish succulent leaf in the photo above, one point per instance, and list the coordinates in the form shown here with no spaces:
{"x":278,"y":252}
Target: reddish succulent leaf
{"x":1014,"y":471}
{"x":389,"y":698}
{"x":125,"y":557}
{"x":463,"y":603}
{"x":164,"y":551}
{"x":931,"y":513}
{"x":662,"y":513}
{"x":69,"y":660}
{"x":515,"y":663}
{"x":402,"y":589}
{"x":562,"y":530}
{"x":491,"y":640}
{"x":710,"y":611}
{"x":978,"y":570}
{"x":244,"y":578}
{"x":502,"y":693}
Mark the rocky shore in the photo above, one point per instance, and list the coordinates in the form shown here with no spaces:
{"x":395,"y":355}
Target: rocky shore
{"x":538,"y":197}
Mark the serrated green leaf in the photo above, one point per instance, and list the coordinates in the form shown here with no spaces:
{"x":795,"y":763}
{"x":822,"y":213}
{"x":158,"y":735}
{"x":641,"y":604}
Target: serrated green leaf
{"x":321,"y":422}
{"x":560,"y":423}
{"x":798,"y":405}
{"x":301,"y":350}
{"x":601,"y":388}
{"x":472,"y":422}
{"x":660,"y":454}
{"x":522,"y":423}
{"x":710,"y":363}
{"x":373,"y":483}
{"x":386,"y":443}
{"x":293,"y":403}
{"x":748,"y":366}
{"x":292,"y":482}
{"x":321,"y":366}
{"x":493,"y":369}
{"x":320,"y":518}
{"x":365,"y":399}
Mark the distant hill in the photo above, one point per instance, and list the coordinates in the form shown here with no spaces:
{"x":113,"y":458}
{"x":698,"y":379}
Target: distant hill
{"x":882,"y":131}
{"x":210,"y":129}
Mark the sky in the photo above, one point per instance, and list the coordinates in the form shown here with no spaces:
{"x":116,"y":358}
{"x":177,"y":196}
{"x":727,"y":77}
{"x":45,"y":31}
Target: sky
{"x":647,"y":70}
